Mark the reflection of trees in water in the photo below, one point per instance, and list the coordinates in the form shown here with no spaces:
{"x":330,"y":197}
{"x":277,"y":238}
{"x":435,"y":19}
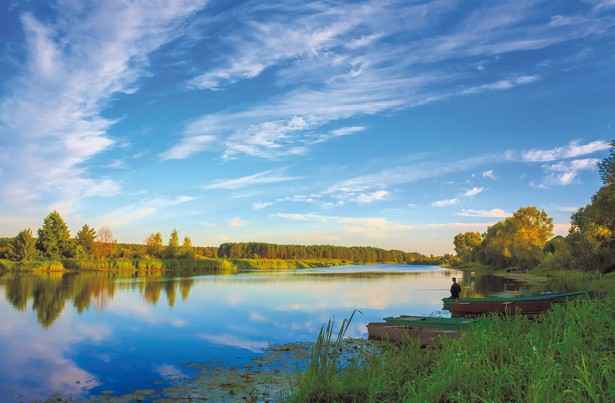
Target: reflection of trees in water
{"x":185,"y":283}
{"x":482,"y":285}
{"x":50,"y":292}
{"x":151,"y":290}
{"x":169,"y":289}
{"x":18,"y":292}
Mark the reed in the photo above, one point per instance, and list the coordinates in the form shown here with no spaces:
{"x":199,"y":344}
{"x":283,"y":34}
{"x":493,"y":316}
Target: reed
{"x":568,"y":356}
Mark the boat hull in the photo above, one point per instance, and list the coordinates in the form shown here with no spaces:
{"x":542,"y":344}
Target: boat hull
{"x":395,"y":333}
{"x":429,"y":322}
{"x":561,"y":296}
{"x":465,"y":309}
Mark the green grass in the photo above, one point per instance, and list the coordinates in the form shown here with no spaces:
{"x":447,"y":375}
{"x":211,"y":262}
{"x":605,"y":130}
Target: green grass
{"x":567,"y":357}
{"x":152,"y":264}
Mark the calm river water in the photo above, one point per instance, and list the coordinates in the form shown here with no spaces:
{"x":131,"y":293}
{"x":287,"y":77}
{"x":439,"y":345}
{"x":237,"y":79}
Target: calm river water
{"x":84,"y":334}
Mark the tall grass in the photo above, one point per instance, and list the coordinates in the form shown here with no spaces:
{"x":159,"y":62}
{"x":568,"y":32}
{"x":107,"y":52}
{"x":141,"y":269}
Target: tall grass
{"x":568,"y":357}
{"x":565,"y":280}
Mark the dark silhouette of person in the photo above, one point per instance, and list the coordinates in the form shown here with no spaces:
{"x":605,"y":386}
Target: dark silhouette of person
{"x":455,"y":289}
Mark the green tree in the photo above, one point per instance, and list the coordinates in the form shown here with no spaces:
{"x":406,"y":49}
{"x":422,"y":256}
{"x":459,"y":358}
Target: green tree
{"x":86,"y":238}
{"x":23,"y":246}
{"x":592,"y":236}
{"x":172,"y":249}
{"x":495,"y":250}
{"x":54,"y":237}
{"x":465,"y":244}
{"x":186,"y":249}
{"x":532,"y":229}
{"x":154,"y":245}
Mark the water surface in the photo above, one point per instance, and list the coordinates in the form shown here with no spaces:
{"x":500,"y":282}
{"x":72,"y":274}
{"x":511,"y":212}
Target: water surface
{"x":84,"y":334}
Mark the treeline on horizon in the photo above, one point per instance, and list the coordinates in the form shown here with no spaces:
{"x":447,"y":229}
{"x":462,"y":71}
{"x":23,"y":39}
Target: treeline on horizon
{"x":53,"y":248}
{"x":239,"y":250}
{"x":368,"y":254}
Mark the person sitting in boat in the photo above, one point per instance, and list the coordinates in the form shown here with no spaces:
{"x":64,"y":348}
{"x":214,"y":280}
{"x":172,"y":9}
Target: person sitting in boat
{"x":455,"y":289}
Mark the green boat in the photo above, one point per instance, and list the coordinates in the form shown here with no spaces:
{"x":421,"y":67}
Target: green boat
{"x":546,"y":296}
{"x":428,"y":322}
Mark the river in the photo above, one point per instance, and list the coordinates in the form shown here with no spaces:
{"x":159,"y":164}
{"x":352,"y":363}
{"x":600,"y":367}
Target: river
{"x":87,"y":334}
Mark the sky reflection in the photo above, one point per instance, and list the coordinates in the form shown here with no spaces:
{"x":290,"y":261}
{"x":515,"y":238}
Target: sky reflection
{"x":98,"y":332}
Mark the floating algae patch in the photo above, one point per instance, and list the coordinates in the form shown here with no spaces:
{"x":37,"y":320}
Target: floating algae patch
{"x":266,"y":378}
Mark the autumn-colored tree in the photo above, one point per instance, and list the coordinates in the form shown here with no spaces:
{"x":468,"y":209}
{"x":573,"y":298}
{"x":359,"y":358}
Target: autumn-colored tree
{"x":54,"y":237}
{"x":518,"y":240}
{"x":465,"y":244}
{"x":154,"y":245}
{"x":104,"y":247}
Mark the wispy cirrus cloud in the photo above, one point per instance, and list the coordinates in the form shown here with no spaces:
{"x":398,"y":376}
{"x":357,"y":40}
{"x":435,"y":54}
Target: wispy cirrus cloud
{"x":188,"y":146}
{"x":51,"y":116}
{"x":572,"y":150}
{"x":347,"y":66}
{"x":266,"y":177}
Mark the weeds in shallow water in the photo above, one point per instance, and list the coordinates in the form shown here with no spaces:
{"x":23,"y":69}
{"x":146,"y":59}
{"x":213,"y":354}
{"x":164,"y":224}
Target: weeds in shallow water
{"x":568,"y":357}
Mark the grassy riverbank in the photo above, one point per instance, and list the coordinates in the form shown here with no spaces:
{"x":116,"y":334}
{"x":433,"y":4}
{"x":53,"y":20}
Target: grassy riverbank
{"x":569,"y":356}
{"x":168,"y":265}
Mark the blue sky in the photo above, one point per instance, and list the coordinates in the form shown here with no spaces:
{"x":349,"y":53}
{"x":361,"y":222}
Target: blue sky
{"x":395,"y":124}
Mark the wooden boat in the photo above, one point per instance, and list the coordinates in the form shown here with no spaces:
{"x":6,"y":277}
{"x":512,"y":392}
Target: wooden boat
{"x":395,"y":333}
{"x":561,"y":296}
{"x":476,"y":308}
{"x":428,"y":322}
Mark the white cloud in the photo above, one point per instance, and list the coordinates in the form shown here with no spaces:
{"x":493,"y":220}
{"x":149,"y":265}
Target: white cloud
{"x":445,"y":202}
{"x":489,"y":174}
{"x":473,"y":192}
{"x":496,"y":212}
{"x":573,"y":150}
{"x":366,"y":198}
{"x":501,"y":85}
{"x":260,"y":205}
{"x":250,"y":180}
{"x":188,"y":146}
{"x":565,"y":172}
{"x":345,"y":131}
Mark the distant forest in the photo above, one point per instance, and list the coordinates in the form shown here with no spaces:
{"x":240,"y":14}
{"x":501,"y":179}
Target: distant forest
{"x":261,"y":250}
{"x":368,"y":254}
